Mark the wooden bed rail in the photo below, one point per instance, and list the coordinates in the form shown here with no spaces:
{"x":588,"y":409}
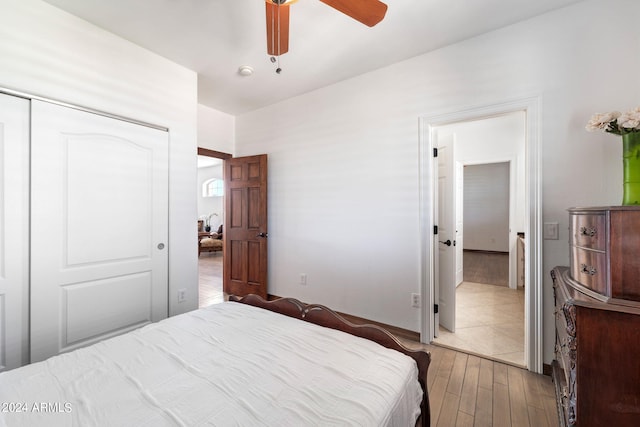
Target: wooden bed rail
{"x":324,"y":316}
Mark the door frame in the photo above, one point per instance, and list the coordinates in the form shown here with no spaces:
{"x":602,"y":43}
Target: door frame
{"x":222,"y":156}
{"x":533,"y":217}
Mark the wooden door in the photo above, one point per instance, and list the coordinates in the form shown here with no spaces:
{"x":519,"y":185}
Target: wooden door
{"x":14,"y":231}
{"x":245,"y":230}
{"x":99,"y":228}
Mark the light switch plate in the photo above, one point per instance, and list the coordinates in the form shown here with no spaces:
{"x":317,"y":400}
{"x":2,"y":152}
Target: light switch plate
{"x":550,"y":231}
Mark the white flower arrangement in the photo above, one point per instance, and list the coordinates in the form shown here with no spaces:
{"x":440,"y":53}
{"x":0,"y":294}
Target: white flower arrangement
{"x":207,"y":218}
{"x":616,"y":122}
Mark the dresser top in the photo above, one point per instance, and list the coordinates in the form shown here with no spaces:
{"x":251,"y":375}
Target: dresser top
{"x":577,"y":294}
{"x":603,"y":208}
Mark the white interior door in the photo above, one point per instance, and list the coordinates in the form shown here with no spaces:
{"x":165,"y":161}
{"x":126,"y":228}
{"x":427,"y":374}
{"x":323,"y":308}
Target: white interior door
{"x":14,"y":226}
{"x":446,"y":234}
{"x":99,"y":228}
{"x":459,"y":222}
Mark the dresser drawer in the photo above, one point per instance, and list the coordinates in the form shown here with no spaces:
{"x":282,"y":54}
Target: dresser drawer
{"x":590,"y":269}
{"x":589,"y":231}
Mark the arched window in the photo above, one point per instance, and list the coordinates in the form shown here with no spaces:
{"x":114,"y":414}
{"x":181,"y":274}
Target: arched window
{"x":213,"y":187}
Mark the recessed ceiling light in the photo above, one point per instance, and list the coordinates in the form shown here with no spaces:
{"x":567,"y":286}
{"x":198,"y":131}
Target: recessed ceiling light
{"x":245,"y":70}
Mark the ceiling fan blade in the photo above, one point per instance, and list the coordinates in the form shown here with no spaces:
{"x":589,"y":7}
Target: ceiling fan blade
{"x":277,"y":28}
{"x":369,"y":12}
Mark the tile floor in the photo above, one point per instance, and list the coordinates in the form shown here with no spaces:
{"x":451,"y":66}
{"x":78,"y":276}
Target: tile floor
{"x":489,"y":323}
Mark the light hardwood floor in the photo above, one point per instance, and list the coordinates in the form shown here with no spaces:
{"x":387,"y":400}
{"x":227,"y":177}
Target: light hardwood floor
{"x":464,"y":390}
{"x":210,"y":278}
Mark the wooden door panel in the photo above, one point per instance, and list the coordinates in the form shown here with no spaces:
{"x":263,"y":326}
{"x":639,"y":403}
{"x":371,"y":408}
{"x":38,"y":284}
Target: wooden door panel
{"x":254,"y":209}
{"x":236,"y":196}
{"x":245,"y":235}
{"x":238,"y":257}
{"x":253,"y":266}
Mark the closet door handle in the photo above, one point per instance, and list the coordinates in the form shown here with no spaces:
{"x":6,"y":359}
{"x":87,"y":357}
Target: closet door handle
{"x":448,"y":242}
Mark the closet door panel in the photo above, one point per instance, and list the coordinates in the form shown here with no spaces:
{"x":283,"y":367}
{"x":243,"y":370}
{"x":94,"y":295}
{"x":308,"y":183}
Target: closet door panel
{"x":14,"y":217}
{"x":99,"y":228}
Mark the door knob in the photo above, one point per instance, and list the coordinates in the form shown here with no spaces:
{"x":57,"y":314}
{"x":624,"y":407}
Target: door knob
{"x":161,"y":246}
{"x":448,"y":242}
{"x":265,"y":235}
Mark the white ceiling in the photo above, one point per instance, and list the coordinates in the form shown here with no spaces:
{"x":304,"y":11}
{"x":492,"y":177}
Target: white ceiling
{"x":206,"y":161}
{"x":215,"y":37}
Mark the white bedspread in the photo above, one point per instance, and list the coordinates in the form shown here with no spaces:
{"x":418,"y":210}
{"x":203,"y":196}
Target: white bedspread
{"x":229,"y":364}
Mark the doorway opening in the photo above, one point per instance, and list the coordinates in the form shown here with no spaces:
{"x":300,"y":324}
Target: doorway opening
{"x":210,"y":226}
{"x":489,"y":306}
{"x":524,"y":171}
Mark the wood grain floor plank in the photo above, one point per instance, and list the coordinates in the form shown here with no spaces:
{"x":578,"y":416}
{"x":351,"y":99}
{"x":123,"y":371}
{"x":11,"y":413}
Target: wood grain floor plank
{"x":551,"y":411}
{"x":446,"y":363}
{"x":470,"y":386}
{"x":485,"y":378}
{"x":456,"y":379}
{"x":532,"y":391}
{"x":436,"y":397}
{"x":537,"y":417}
{"x":464,"y":420}
{"x":483,"y":415}
{"x":501,"y":405}
{"x":500,"y":374}
{"x":434,"y":366}
{"x":449,"y":411}
{"x":517,"y":398}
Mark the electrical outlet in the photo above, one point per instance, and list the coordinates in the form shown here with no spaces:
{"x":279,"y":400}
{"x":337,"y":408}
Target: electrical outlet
{"x":303,"y":279}
{"x":415,"y":300}
{"x":550,"y":231}
{"x":182,"y":295}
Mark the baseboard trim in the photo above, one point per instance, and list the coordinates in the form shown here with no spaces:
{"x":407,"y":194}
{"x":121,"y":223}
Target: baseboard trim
{"x":482,"y":251}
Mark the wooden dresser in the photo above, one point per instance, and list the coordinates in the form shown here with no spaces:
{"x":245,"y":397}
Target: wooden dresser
{"x":597,"y":316}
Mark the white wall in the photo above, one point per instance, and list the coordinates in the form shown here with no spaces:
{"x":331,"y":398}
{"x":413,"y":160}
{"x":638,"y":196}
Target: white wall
{"x":209,"y":205}
{"x":45,"y":51}
{"x":486,"y":207}
{"x":491,"y":140}
{"x":216,"y":130}
{"x":343,"y":160}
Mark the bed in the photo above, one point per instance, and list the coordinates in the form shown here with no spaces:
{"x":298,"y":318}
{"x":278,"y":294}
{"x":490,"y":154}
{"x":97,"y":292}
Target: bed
{"x":247,"y":362}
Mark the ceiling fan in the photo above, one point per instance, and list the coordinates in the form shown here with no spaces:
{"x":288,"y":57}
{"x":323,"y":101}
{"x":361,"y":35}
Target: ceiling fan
{"x":368,"y":12}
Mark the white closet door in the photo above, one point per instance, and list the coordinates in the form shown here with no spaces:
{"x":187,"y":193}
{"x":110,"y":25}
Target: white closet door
{"x":14,"y":226}
{"x":99,"y":228}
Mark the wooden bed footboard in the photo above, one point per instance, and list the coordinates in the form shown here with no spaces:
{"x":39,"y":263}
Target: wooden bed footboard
{"x":326,"y":317}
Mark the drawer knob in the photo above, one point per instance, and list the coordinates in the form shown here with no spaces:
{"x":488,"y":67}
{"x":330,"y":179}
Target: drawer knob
{"x":588,"y":231}
{"x":587,"y":269}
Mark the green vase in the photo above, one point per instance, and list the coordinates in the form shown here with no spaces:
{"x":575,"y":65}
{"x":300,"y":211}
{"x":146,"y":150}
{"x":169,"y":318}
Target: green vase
{"x":631,"y":168}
